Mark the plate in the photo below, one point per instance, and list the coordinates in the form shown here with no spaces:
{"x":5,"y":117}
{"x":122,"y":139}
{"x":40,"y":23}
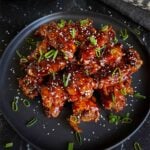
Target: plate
{"x":56,"y":133}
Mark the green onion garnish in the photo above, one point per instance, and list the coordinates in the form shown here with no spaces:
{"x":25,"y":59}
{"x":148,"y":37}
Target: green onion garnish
{"x":55,"y":54}
{"x":62,"y":23}
{"x":41,"y":55}
{"x":124,"y":34}
{"x":70,"y":21}
{"x":115,"y":40}
{"x":137,"y":31}
{"x":70,"y":145}
{"x":23,"y":60}
{"x":123,"y":91}
{"x":26,"y":103}
{"x":84,"y":22}
{"x":14,"y":105}
{"x":9,"y":145}
{"x":98,"y":50}
{"x":77,"y":43}
{"x":51,"y":54}
{"x":32,"y":122}
{"x":54,"y":75}
{"x":104,"y":28}
{"x":126,"y":119}
{"x":78,"y":137}
{"x":73,"y":32}
{"x":86,"y":72}
{"x":137,"y":146}
{"x":113,"y":98}
{"x":139,"y":96}
{"x":66,"y":79}
{"x":115,"y":71}
{"x":31,"y":41}
{"x":115,"y":119}
{"x":93,"y":40}
{"x":18,"y":53}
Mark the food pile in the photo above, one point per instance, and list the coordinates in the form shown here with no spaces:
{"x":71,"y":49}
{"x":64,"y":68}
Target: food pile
{"x":71,"y":62}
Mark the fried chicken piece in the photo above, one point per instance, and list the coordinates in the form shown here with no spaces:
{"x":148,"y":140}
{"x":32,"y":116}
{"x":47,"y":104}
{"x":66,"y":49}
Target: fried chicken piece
{"x":59,"y":38}
{"x":41,"y":46}
{"x":109,"y":76}
{"x":46,"y":66}
{"x":105,"y":36}
{"x":132,"y":58}
{"x":113,"y":97}
{"x":112,"y":55}
{"x":80,"y":85}
{"x":53,"y":98}
{"x":30,"y":85}
{"x":85,"y":110}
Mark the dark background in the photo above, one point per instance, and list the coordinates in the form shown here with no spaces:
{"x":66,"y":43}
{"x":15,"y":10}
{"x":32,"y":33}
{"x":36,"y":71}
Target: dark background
{"x":16,"y":14}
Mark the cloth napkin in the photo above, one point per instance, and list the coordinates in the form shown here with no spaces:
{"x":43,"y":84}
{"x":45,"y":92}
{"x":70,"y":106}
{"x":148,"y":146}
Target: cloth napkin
{"x":137,"y":10}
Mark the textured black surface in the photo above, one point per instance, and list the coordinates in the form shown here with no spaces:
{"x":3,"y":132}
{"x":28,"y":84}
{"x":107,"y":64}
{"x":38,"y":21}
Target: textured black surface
{"x":14,"y":15}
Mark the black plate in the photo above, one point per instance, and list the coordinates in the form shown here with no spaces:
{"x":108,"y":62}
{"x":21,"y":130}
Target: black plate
{"x":56,"y":133}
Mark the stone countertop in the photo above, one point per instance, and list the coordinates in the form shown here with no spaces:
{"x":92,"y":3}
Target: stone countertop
{"x":16,"y":14}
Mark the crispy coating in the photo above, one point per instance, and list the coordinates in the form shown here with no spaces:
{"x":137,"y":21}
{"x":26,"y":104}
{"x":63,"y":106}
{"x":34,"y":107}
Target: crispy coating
{"x":85,"y":110}
{"x":30,"y":85}
{"x":53,"y":98}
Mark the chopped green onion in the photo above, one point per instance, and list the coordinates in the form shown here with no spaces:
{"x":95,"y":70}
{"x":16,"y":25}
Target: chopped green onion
{"x":137,"y":146}
{"x":139,"y":96}
{"x":31,"y":41}
{"x":9,"y":145}
{"x":26,"y":103}
{"x":66,"y":79}
{"x":14,"y":105}
{"x":93,"y":40}
{"x":49,"y":54}
{"x":87,"y":72}
{"x":115,"y":71}
{"x":73,"y":33}
{"x":84,"y":22}
{"x":78,"y":137}
{"x":115,"y":40}
{"x":31,"y":122}
{"x":70,"y":145}
{"x":23,"y":60}
{"x":137,"y":31}
{"x":62,"y":23}
{"x":70,"y":21}
{"x":77,"y":43}
{"x":124,"y":34}
{"x":41,"y":55}
{"x":123,"y":91}
{"x":113,"y":98}
{"x":18,"y":53}
{"x":52,"y":53}
{"x":55,"y":54}
{"x":114,"y":119}
{"x":98,"y":50}
{"x":126,"y":119}
{"x":104,"y":28}
{"x":54,"y":75}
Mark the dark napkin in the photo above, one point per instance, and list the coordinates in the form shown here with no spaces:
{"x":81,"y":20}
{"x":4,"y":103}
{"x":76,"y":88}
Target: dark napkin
{"x":137,"y":14}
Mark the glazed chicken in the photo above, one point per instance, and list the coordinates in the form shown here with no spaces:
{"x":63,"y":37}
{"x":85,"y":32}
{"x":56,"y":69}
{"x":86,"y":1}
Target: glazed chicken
{"x":54,"y":97}
{"x":85,"y":110}
{"x":73,"y":61}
